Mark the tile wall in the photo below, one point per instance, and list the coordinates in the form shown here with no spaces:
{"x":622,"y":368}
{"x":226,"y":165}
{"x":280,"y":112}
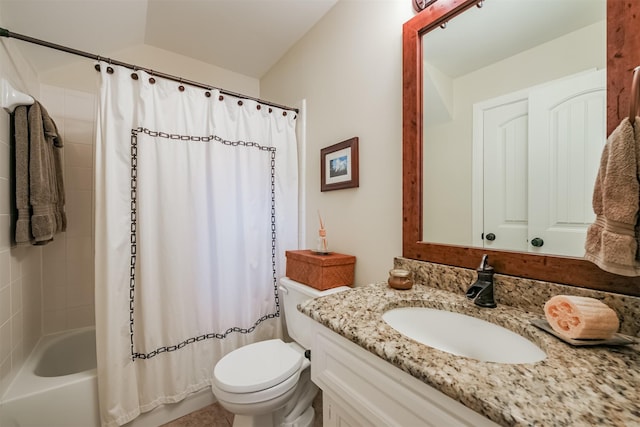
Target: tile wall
{"x":46,"y":289}
{"x":67,"y":262}
{"x":20,"y":266}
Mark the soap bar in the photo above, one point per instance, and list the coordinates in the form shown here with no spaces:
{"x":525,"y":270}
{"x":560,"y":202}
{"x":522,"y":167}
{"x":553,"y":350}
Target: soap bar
{"x":581,"y":317}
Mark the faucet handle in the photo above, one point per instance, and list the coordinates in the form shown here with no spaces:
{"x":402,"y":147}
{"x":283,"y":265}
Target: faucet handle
{"x":484,"y":264}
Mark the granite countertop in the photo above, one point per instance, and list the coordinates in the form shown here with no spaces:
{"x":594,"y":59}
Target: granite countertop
{"x":573,"y":386}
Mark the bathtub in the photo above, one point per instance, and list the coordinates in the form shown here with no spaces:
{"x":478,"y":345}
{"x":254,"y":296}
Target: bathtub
{"x":57,"y":387}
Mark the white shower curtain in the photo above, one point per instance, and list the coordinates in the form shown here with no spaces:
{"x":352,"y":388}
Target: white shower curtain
{"x":196,"y":202}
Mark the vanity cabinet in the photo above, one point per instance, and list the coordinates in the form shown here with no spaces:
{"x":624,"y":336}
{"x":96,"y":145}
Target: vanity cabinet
{"x":360,"y":389}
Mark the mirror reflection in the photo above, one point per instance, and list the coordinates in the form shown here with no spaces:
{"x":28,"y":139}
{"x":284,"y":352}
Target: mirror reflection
{"x":514,"y":125}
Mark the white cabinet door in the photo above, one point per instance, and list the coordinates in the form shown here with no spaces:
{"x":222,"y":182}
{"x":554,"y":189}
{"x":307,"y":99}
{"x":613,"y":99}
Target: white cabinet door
{"x":505,"y":176}
{"x":540,"y":151}
{"x":335,"y":415}
{"x":567,"y":125}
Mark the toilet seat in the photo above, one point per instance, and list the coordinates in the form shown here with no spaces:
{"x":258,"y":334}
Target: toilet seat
{"x":256,"y":367}
{"x":278,"y":393}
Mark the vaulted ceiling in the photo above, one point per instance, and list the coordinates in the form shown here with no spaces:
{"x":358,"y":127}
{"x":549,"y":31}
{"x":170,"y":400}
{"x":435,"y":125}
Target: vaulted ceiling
{"x":244,"y":36}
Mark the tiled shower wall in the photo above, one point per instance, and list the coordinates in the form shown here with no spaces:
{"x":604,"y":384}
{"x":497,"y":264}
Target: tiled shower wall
{"x":20,"y":280}
{"x":20,"y":267}
{"x":67,"y":262}
{"x":50,"y":288}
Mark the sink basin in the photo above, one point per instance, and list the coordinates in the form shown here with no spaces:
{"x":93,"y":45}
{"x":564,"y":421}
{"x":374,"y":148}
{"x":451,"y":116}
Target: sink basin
{"x":463,"y":335}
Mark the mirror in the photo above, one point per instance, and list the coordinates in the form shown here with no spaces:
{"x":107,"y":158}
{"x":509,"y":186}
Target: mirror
{"x":417,"y":34}
{"x":520,"y":151}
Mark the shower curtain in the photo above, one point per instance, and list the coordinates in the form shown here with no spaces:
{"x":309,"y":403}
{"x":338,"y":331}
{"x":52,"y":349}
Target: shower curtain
{"x":196,"y":202}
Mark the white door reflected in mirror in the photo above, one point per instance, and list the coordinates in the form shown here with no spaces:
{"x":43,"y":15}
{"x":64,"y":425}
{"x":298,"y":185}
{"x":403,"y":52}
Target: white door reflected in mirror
{"x":536,"y":154}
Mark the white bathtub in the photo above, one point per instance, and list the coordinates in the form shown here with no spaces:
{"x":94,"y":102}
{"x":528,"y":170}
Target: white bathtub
{"x":57,"y":387}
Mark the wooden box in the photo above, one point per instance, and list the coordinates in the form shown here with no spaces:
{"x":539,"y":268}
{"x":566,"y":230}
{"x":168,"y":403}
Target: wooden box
{"x":320,"y":271}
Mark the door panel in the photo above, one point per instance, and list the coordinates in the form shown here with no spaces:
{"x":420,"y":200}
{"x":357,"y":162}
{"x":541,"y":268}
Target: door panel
{"x":505,"y":176}
{"x":567,"y":133}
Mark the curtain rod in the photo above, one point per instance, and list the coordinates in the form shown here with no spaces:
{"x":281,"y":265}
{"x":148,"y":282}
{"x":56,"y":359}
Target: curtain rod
{"x":6,"y":33}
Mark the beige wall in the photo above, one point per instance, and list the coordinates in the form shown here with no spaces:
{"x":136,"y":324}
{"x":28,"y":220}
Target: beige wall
{"x":349,"y":70}
{"x":80,"y":74}
{"x":20,"y":267}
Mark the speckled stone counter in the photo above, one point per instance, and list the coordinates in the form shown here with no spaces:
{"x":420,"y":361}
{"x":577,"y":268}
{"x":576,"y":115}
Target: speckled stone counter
{"x":573,"y":386}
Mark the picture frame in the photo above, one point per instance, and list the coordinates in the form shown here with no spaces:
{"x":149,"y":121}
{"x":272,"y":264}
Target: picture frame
{"x":339,"y":166}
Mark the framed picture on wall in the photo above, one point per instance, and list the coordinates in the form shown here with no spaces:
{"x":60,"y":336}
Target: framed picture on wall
{"x":339,"y":165}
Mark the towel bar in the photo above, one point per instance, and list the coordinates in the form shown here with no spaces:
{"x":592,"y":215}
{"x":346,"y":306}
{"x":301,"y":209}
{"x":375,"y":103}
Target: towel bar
{"x":634,"y":98}
{"x":10,"y":98}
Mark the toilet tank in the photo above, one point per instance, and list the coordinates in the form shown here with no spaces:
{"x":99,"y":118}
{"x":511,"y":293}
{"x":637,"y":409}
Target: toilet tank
{"x":293,"y":293}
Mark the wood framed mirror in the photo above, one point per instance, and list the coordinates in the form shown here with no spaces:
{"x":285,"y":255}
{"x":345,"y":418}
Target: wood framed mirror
{"x":559,"y":269}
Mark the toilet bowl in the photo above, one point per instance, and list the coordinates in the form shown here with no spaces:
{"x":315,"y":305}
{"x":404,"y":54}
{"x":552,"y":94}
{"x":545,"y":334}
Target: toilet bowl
{"x":268,"y":383}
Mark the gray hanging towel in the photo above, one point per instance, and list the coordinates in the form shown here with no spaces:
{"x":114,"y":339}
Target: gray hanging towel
{"x":39,"y":179}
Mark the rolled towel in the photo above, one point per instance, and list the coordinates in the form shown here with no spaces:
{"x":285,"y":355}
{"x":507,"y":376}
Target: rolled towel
{"x":581,"y":317}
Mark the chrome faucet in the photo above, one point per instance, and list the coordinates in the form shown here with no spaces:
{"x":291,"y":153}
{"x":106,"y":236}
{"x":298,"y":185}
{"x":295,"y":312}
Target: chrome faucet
{"x":481,"y":292}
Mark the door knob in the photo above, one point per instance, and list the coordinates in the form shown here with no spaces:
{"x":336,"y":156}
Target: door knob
{"x":537,"y":242}
{"x":490,"y":237}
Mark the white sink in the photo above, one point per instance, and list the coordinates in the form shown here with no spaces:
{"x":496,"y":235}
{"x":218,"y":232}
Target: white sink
{"x":463,"y":335}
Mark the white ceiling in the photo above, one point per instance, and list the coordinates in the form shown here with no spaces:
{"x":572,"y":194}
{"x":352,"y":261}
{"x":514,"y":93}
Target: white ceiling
{"x":250,"y":36}
{"x":244,"y":36}
{"x":502,"y":28}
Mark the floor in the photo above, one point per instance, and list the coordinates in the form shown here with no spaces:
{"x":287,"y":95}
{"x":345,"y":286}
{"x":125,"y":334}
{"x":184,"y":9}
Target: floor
{"x":216,"y":416}
{"x":212,"y":415}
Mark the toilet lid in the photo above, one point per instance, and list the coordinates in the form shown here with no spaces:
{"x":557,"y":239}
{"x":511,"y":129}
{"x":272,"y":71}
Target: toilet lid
{"x":256,"y":366}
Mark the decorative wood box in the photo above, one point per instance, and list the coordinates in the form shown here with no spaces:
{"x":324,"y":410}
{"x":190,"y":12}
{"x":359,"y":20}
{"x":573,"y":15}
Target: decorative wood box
{"x":320,"y":271}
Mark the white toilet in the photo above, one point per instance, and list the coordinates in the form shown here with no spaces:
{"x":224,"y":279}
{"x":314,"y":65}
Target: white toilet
{"x":268,"y":383}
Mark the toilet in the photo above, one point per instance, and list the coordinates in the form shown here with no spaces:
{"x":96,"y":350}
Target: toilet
{"x":268,"y":383}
